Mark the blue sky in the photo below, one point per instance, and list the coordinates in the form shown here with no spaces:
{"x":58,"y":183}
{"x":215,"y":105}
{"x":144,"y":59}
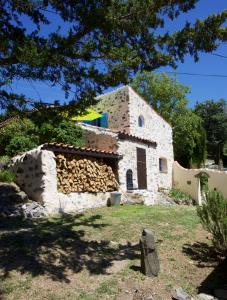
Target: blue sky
{"x":202,"y":88}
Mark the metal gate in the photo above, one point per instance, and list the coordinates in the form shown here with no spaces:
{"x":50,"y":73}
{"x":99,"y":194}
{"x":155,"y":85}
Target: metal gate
{"x":141,"y":169}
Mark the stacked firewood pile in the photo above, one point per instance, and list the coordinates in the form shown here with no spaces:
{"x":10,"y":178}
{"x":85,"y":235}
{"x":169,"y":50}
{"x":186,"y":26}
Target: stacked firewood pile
{"x":79,"y":174}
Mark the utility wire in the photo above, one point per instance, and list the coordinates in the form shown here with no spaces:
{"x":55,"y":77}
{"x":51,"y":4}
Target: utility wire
{"x":194,"y":74}
{"x":219,"y":55}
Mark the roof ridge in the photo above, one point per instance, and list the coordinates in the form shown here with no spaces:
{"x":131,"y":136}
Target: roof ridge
{"x":73,"y":147}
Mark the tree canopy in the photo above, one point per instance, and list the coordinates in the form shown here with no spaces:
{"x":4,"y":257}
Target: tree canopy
{"x":189,"y":139}
{"x":86,"y":46}
{"x":164,"y":93}
{"x":214,"y":119}
{"x":24,"y":134}
{"x":168,"y":97}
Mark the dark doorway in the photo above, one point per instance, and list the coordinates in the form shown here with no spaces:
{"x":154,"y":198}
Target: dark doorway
{"x":141,"y":169}
{"x":129,"y":179}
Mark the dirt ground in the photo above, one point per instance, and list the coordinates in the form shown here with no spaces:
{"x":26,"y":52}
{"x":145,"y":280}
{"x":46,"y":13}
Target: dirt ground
{"x":96,"y":255}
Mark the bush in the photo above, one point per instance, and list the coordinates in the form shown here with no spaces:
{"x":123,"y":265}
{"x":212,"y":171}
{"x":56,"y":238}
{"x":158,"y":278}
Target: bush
{"x":213,"y":215}
{"x":180,"y":197}
{"x":68,"y":132}
{"x":19,"y":144}
{"x":7,"y":176}
{"x":4,"y":161}
{"x":21,"y":134}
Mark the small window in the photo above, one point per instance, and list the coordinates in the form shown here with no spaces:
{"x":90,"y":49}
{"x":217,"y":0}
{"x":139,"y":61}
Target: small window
{"x":129,"y":180}
{"x":163,"y":165}
{"x":141,"y":121}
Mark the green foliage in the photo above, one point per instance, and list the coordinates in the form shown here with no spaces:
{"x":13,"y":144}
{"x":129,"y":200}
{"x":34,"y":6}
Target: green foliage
{"x":177,"y":194}
{"x":68,"y":132}
{"x":4,"y":160}
{"x":189,"y":139}
{"x":7,"y":176}
{"x":180,"y":197}
{"x":164,"y":93}
{"x":215,"y":123}
{"x":121,"y":36}
{"x":19,"y":128}
{"x":23,"y":135}
{"x":168,"y":97}
{"x":213,"y":215}
{"x":204,"y":182}
{"x":19,"y":144}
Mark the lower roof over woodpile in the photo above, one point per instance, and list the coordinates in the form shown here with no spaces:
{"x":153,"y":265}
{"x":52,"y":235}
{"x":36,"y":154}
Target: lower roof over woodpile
{"x":67,"y":148}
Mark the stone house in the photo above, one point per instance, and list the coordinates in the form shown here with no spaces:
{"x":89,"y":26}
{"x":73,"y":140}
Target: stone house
{"x":136,"y":143}
{"x":140,"y":135}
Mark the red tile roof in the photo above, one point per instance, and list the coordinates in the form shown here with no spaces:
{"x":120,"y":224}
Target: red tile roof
{"x":124,"y":135}
{"x":61,"y":147}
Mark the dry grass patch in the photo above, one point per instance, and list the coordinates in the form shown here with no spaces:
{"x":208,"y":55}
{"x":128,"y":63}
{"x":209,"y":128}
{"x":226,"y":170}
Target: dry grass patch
{"x":96,"y":255}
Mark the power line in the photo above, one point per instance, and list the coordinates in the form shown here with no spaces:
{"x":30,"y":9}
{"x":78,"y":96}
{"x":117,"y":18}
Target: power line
{"x":219,"y":55}
{"x":195,"y":74}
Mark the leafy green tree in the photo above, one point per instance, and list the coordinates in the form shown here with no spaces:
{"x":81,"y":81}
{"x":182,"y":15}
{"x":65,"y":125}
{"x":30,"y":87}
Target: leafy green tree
{"x":189,"y":139}
{"x":22,"y":135}
{"x":68,"y":132}
{"x":215,"y":123}
{"x":164,"y":93}
{"x":168,"y":97}
{"x":19,"y":128}
{"x":122,"y":37}
{"x":19,"y":144}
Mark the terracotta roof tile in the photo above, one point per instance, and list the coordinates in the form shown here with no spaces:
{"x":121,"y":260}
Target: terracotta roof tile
{"x":58,"y":147}
{"x":125,"y":135}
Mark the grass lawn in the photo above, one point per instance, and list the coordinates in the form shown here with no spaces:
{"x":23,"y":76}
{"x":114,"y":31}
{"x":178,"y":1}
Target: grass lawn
{"x":96,"y":255}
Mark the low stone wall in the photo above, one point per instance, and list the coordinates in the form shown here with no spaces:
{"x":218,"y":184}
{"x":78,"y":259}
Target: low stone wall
{"x":77,"y":202}
{"x":37,"y":175}
{"x":187,"y":180}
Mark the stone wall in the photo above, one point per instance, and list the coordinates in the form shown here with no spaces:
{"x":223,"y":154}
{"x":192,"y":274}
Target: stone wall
{"x":129,"y":161}
{"x":156,"y":129}
{"x":187,"y":181}
{"x":37,"y":176}
{"x":124,"y":106}
{"x":116,"y":105}
{"x":36,"y":173}
{"x":100,"y":138}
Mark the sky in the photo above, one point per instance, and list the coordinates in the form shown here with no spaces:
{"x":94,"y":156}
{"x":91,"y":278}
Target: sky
{"x":202,"y":87}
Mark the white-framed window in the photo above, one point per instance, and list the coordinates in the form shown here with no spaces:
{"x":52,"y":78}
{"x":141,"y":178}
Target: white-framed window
{"x":141,"y":121}
{"x":163,"y":168}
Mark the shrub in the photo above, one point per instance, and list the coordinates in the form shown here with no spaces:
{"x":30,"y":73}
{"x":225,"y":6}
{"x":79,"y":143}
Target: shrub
{"x":22,"y":133}
{"x":68,"y":132}
{"x":213,"y":215}
{"x":7,"y":176}
{"x":4,"y":161}
{"x":180,"y":197}
{"x":19,"y":144}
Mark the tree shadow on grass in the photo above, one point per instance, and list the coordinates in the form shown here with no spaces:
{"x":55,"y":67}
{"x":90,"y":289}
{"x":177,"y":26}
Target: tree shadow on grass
{"x":206,"y":256}
{"x":55,"y":246}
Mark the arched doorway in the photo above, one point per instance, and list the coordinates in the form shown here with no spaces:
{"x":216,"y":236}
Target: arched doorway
{"x":203,"y":183}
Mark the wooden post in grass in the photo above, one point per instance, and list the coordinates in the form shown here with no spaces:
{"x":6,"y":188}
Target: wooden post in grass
{"x":149,"y":257}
